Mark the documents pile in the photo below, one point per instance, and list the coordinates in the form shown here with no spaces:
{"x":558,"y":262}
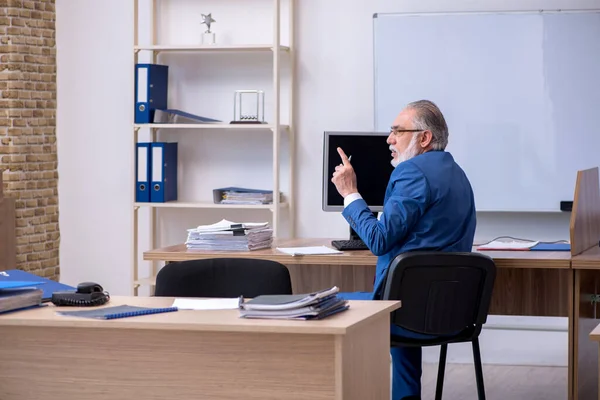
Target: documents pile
{"x":316,"y":305}
{"x":236,"y":195}
{"x":230,"y":236}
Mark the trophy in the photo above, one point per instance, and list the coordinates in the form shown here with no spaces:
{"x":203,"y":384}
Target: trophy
{"x":248,"y":107}
{"x":208,"y":37}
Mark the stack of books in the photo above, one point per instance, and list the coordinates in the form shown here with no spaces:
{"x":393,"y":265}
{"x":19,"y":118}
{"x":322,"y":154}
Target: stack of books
{"x":316,"y":305}
{"x":230,"y":236}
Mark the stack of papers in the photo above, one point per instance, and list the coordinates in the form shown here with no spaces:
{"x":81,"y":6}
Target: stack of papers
{"x":235,"y":195}
{"x":230,"y":236}
{"x":316,"y":305}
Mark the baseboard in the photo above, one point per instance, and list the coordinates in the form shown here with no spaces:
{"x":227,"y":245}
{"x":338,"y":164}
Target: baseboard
{"x":536,"y":341}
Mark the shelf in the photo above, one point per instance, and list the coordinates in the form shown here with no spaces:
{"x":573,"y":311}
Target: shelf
{"x":210,"y":126}
{"x":182,"y":204}
{"x":211,"y":48}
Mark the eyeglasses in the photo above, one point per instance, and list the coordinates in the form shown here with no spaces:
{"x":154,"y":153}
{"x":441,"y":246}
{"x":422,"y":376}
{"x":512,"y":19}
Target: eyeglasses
{"x":396,"y":131}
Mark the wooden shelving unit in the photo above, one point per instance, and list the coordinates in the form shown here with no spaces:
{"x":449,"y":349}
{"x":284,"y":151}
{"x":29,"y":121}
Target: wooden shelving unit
{"x":212,"y":48}
{"x":261,"y":127}
{"x":278,"y":206}
{"x":189,"y":204}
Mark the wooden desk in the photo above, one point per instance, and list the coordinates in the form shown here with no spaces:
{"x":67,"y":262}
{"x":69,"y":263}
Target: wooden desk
{"x":586,"y":268}
{"x":195,"y":355}
{"x":503,"y":259}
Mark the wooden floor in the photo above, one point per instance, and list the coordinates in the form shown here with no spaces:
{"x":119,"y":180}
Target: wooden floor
{"x":501,"y":382}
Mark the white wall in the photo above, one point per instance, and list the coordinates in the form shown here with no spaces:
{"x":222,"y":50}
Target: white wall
{"x":335,"y":92}
{"x":94,"y":139}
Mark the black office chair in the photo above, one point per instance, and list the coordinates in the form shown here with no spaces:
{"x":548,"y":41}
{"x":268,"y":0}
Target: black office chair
{"x":223,"y":277}
{"x":443,"y":294}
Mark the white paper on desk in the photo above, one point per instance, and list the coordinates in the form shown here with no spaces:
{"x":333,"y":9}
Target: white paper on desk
{"x":309,"y":250}
{"x":207,"y":304}
{"x":225,"y":225}
{"x":512,"y":245}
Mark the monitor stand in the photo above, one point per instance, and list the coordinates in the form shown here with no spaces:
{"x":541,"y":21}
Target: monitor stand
{"x":353,"y":235}
{"x":356,"y":244}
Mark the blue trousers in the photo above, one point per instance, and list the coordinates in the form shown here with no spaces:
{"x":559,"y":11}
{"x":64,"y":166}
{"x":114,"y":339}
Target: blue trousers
{"x":406,"y":361}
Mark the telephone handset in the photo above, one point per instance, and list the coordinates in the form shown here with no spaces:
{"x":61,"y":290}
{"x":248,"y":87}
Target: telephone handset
{"x":88,"y":294}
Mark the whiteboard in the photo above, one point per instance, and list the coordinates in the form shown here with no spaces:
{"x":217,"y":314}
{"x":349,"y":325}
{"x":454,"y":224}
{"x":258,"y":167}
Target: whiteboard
{"x":520,"y":92}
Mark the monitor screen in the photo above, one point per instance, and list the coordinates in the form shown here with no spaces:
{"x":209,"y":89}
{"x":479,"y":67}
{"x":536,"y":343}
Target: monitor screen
{"x":371,"y":160}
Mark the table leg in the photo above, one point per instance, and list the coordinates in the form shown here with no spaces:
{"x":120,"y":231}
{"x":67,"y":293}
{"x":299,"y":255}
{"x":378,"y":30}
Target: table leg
{"x":585,"y":361}
{"x":362,"y":362}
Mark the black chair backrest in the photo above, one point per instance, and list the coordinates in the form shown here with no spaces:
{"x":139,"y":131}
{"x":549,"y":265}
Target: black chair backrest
{"x":442,"y":293}
{"x":223,"y":277}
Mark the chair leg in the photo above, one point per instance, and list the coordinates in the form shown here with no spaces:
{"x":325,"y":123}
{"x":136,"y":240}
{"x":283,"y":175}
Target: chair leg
{"x":441,"y":369}
{"x":478,"y":370}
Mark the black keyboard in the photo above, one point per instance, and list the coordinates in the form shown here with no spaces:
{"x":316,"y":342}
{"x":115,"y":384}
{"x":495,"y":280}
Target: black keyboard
{"x":355,"y":244}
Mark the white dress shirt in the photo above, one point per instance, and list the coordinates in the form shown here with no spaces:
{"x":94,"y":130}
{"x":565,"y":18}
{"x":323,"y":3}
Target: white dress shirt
{"x":350,"y":198}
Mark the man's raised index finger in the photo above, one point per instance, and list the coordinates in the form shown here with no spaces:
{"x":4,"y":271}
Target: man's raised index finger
{"x":343,"y":156}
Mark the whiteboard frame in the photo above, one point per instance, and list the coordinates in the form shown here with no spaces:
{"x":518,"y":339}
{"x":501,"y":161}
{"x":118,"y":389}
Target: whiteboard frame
{"x":453,"y":13}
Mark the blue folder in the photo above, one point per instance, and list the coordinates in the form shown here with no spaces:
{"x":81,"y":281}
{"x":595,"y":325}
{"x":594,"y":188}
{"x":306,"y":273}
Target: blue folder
{"x":151,"y":91}
{"x":143,"y":169}
{"x":123,"y":311}
{"x":164,"y":172}
{"x":31,"y":280}
{"x":18,"y":284}
{"x":551,"y":247}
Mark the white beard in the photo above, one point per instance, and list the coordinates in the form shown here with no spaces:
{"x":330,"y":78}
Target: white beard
{"x":411,"y":151}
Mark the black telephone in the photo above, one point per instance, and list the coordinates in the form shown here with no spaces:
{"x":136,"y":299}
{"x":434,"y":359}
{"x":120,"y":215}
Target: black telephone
{"x":88,"y":294}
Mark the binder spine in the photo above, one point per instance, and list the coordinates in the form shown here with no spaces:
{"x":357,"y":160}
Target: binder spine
{"x":143,"y":162}
{"x":151,"y":91}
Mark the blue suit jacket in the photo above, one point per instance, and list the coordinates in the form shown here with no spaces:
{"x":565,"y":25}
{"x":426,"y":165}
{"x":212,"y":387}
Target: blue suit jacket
{"x":428,"y":205}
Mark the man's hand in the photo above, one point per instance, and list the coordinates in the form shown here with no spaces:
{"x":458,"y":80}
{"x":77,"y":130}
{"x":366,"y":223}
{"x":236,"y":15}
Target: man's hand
{"x":344,"y":177}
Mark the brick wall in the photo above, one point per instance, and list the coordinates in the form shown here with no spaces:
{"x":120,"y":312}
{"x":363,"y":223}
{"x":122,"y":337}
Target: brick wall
{"x":27,"y":129}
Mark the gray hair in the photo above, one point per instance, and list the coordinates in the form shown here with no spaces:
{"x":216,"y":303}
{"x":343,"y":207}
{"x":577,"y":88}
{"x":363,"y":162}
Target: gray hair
{"x":429,"y":117}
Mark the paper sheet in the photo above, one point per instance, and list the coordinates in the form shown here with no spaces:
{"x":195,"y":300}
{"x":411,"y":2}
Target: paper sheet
{"x":225,"y":225}
{"x":207,"y":304}
{"x":512,"y":245}
{"x":309,"y":250}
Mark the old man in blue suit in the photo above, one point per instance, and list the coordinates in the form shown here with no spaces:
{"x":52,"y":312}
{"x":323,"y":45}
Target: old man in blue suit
{"x":428,"y":206}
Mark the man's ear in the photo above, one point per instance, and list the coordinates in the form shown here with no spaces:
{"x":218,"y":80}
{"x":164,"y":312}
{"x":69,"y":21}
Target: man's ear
{"x":426,"y":139}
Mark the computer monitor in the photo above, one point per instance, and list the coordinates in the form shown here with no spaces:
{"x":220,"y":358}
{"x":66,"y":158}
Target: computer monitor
{"x":371,"y":160}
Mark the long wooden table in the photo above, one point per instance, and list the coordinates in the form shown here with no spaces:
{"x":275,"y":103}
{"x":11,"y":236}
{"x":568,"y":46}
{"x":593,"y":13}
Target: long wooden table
{"x":195,"y":355}
{"x":527,"y":283}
